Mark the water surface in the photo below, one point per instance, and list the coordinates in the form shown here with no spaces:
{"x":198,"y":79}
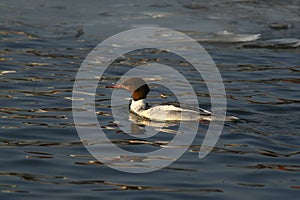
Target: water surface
{"x":42,"y":46}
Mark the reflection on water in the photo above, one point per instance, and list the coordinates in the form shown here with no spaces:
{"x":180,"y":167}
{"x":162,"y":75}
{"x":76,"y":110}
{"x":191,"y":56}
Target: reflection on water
{"x":42,"y":156}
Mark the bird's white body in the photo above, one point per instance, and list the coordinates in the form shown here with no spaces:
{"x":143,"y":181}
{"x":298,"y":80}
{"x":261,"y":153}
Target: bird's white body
{"x":165,"y":112}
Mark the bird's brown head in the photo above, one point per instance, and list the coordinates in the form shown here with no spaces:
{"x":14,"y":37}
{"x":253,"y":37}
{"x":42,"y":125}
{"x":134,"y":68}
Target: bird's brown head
{"x":137,"y":86}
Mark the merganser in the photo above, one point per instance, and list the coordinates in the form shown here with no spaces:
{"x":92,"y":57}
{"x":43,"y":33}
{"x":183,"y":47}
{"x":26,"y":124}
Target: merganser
{"x":140,"y":107}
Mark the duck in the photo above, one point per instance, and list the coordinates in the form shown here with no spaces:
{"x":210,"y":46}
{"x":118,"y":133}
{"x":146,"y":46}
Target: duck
{"x":160,"y":113}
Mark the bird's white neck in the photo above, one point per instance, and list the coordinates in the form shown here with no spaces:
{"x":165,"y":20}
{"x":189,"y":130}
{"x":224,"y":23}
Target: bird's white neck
{"x":138,"y":105}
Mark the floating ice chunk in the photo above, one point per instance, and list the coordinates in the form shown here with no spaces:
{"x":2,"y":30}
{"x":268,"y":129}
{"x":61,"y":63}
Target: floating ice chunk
{"x":275,"y":43}
{"x":225,"y":36}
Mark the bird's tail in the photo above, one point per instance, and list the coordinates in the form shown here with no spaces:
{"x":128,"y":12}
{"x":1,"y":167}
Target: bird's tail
{"x":208,"y":116}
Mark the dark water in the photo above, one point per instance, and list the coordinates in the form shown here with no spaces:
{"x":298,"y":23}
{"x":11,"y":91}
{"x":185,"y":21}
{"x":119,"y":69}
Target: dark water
{"x":44,"y":43}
